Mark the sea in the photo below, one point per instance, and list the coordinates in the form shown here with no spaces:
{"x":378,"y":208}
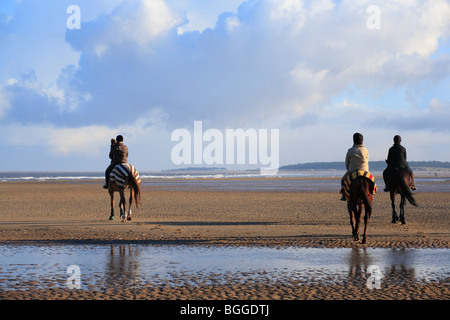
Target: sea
{"x":223,"y":180}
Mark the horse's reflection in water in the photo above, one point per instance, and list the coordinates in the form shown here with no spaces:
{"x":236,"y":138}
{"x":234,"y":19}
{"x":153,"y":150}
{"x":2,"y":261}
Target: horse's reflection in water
{"x":359,"y":261}
{"x":400,"y":261}
{"x":123,"y":268}
{"x":396,"y":269}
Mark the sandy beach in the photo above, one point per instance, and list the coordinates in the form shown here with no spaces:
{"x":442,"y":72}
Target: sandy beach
{"x":66,"y":212}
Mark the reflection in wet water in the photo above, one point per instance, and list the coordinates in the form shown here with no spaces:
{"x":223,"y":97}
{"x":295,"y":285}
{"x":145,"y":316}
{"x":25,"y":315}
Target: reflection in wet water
{"x":396,"y":264}
{"x":132,"y":266}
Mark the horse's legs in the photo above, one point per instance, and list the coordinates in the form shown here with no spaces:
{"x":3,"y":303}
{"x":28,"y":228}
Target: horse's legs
{"x":394,"y":213}
{"x":131,"y":203}
{"x":122,"y":205}
{"x":402,"y":209}
{"x":355,"y":217}
{"x":352,"y":217}
{"x":111,"y":195}
{"x":366,"y":222}
{"x":358,"y":211}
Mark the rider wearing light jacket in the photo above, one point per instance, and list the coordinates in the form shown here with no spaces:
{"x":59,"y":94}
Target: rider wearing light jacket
{"x":357,"y":158}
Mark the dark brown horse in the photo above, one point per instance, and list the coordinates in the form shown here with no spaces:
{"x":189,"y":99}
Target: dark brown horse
{"x":399,"y":181}
{"x":132,"y":183}
{"x":360,"y":198}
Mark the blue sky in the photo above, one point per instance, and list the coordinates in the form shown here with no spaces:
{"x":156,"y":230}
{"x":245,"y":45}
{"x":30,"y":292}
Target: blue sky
{"x":143,"y":68}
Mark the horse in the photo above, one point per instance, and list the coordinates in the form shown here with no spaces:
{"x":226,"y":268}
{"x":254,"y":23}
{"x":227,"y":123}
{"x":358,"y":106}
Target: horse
{"x":360,"y":198}
{"x":399,"y":181}
{"x":121,"y":178}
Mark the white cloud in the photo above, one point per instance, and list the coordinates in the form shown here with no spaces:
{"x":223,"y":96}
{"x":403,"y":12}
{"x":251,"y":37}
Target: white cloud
{"x":414,"y":27}
{"x":144,"y":21}
{"x":78,"y":140}
{"x":132,"y":22}
{"x":286,"y":9}
{"x":202,"y":15}
{"x":232,"y":23}
{"x":322,"y":6}
{"x":12,"y":81}
{"x":283,"y":56}
{"x":85,"y":140}
{"x":85,"y":148}
{"x":437,"y":106}
{"x":312,"y":83}
{"x":59,"y":141}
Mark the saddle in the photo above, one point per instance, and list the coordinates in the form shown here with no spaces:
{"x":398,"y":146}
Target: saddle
{"x":397,"y":170}
{"x":355,"y":174}
{"x":121,"y":172}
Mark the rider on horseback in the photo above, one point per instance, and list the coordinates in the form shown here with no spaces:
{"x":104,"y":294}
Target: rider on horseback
{"x":118,"y":154}
{"x":357,"y":158}
{"x":397,"y":159}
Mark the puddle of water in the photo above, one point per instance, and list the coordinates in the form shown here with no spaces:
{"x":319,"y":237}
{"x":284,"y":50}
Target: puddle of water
{"x":134,"y":265}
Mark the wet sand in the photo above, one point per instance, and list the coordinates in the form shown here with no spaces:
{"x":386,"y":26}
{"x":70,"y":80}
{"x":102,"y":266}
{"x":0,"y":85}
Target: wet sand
{"x":67,"y":212}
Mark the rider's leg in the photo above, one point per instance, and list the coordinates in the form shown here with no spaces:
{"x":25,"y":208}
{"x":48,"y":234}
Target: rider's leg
{"x":107,"y":172}
{"x":386,"y":189}
{"x":342,"y":186}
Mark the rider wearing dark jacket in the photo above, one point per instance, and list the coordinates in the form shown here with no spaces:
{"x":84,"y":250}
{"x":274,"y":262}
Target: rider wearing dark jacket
{"x":118,"y":154}
{"x":397,"y":159}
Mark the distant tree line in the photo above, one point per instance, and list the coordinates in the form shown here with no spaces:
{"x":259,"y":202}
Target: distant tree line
{"x":373,"y":165}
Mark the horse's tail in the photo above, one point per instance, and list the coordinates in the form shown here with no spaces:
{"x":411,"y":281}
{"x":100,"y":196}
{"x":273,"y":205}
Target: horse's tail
{"x":136,"y":186}
{"x":407,"y":192}
{"x":365,"y":192}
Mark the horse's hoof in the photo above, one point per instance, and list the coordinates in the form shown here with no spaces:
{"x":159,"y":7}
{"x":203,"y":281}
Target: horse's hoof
{"x":129,"y":218}
{"x":111,"y":218}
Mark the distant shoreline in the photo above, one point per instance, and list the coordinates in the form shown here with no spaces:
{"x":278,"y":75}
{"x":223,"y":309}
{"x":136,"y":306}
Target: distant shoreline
{"x":373,"y":165}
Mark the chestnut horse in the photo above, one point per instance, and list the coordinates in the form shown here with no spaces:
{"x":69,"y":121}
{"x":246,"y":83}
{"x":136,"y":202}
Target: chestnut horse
{"x":399,"y":181}
{"x":360,"y":198}
{"x":131,"y":181}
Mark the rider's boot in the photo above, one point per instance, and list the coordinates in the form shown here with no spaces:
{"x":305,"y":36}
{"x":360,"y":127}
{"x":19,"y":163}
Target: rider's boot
{"x":342,"y":194}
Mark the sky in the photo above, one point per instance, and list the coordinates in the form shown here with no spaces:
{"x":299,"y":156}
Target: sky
{"x":316,"y":71}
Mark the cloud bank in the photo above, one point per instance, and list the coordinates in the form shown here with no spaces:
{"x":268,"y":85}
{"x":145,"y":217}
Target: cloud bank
{"x":286,"y":64}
